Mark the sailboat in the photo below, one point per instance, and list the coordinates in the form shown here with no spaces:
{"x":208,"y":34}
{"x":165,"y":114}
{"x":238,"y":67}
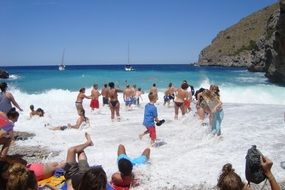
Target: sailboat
{"x":128,"y":67}
{"x":61,"y":67}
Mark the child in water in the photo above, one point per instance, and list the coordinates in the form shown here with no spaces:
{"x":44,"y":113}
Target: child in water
{"x":151,"y":116}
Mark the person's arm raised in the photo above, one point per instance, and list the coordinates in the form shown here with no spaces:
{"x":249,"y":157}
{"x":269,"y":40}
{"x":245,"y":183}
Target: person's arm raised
{"x":266,"y":164}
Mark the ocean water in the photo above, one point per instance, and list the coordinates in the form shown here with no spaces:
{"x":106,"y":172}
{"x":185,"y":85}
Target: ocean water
{"x":192,"y":158}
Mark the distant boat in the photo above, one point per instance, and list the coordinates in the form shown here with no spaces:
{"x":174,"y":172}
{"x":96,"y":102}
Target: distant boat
{"x":128,"y":67}
{"x":61,"y":67}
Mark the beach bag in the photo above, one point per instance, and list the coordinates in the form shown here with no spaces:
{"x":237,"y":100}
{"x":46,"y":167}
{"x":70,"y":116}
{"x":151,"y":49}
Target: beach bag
{"x":253,"y":169}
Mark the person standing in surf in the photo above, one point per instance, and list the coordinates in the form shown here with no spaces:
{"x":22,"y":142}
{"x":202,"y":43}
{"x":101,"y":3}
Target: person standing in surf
{"x":79,"y":104}
{"x":94,"y":103}
{"x":114,"y":103}
{"x":150,"y":116}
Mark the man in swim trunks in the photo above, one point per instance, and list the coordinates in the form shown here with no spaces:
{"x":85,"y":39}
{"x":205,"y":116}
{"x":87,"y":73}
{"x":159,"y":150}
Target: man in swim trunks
{"x":105,"y":95}
{"x":95,"y":95}
{"x":125,"y":176}
{"x":127,"y":95}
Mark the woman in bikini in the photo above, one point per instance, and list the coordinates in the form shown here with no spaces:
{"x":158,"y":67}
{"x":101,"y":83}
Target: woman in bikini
{"x":79,"y":101}
{"x":114,"y":104}
{"x":181,"y":95}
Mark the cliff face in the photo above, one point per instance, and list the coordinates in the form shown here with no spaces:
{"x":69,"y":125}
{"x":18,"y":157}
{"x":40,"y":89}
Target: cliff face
{"x":275,"y":57}
{"x":256,"y":42}
{"x":232,"y":47}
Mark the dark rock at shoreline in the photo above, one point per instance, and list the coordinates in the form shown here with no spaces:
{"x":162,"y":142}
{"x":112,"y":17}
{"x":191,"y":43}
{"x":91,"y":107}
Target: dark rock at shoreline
{"x":29,"y":153}
{"x":32,"y":153}
{"x":18,"y":135}
{"x":4,"y":74}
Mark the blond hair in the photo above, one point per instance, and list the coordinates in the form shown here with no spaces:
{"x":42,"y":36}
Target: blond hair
{"x":21,"y":179}
{"x":152,"y":96}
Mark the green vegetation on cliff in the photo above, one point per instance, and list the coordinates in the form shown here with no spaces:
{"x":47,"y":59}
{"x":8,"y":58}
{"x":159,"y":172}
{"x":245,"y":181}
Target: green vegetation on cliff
{"x":237,"y":39}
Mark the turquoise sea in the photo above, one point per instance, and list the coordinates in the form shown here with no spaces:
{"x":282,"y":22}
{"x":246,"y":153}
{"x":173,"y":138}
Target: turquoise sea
{"x":239,"y":85}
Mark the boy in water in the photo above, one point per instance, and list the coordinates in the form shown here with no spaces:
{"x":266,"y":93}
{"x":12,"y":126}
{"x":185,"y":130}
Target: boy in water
{"x":150,"y":116}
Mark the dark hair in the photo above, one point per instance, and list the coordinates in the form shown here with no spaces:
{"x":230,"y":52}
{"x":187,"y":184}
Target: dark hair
{"x":229,"y":180}
{"x":4,"y":166}
{"x":12,"y":113}
{"x":170,"y":84}
{"x":95,"y":85}
{"x":81,"y":89}
{"x":198,"y":91}
{"x":153,"y":84}
{"x":32,"y":107}
{"x":21,"y":179}
{"x":184,"y":86}
{"x":111,"y":85}
{"x":125,"y":167}
{"x":41,"y":111}
{"x":105,"y":85}
{"x":3,"y":86}
{"x":93,"y":179}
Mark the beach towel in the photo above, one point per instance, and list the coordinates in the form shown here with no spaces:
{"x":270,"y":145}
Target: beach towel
{"x":52,"y":181}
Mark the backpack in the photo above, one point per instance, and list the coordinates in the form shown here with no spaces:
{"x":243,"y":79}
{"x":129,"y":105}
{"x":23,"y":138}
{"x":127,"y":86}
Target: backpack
{"x":253,"y":169}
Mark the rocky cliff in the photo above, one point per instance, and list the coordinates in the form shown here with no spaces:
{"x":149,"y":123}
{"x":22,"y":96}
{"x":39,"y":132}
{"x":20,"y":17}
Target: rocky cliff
{"x":275,"y":56}
{"x":256,"y":42}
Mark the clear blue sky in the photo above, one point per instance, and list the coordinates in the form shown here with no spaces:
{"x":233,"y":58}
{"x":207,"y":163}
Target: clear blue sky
{"x":35,"y":32}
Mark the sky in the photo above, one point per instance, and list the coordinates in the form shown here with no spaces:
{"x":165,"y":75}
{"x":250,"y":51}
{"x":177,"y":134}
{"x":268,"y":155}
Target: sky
{"x":36,"y":32}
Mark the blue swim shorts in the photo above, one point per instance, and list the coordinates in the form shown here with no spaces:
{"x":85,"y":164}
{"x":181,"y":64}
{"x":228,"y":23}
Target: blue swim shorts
{"x":136,"y":161}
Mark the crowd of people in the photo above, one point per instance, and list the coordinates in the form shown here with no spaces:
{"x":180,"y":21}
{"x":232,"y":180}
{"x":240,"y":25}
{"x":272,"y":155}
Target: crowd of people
{"x":78,"y":175}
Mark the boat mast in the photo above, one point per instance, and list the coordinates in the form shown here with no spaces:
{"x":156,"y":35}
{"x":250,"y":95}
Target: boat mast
{"x":62,"y":58}
{"x":128,"y":53}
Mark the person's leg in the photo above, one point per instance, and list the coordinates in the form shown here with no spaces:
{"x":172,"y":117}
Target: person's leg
{"x":144,"y":133}
{"x":5,"y":142}
{"x":118,"y":110}
{"x":121,"y":150}
{"x":182,"y":109}
{"x":176,"y":111}
{"x":72,"y":151}
{"x":220,"y":116}
{"x":78,"y":123}
{"x":112,"y":111}
{"x":146,"y":153}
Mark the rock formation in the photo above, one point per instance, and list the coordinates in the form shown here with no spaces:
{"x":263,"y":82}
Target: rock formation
{"x":4,"y":74}
{"x":256,"y":42}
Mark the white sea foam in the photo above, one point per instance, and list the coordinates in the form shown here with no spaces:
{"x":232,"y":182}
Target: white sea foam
{"x":192,"y":156}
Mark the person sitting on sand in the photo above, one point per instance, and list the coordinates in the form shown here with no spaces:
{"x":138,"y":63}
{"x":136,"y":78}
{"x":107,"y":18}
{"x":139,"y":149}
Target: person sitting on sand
{"x":229,"y":180}
{"x":125,"y":177}
{"x":77,"y":171}
{"x":7,"y":122}
{"x":39,"y":112}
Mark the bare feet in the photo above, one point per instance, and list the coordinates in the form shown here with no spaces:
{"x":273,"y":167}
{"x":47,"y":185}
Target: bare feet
{"x":89,"y":140}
